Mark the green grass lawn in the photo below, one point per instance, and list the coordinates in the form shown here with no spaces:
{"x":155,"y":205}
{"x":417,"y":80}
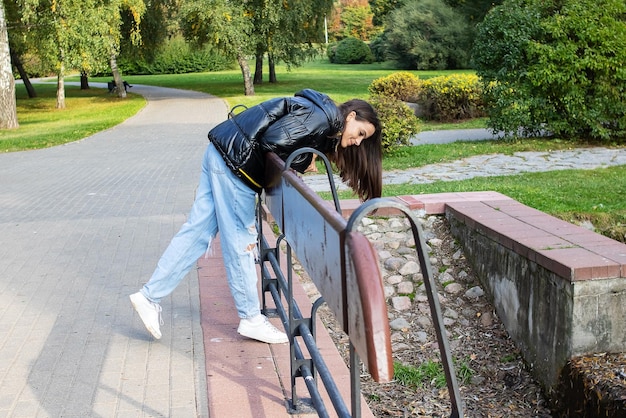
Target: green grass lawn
{"x":595,"y":195}
{"x":86,"y":112}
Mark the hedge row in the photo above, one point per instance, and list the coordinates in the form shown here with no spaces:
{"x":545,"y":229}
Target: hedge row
{"x":445,"y":98}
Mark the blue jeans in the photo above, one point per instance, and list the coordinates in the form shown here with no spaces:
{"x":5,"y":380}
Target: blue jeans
{"x":223,"y":203}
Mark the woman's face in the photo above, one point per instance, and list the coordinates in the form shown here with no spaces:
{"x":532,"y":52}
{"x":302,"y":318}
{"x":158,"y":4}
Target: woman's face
{"x":355,"y":131}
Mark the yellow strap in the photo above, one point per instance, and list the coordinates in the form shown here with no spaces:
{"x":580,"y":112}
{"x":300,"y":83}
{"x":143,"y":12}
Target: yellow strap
{"x":250,"y":179}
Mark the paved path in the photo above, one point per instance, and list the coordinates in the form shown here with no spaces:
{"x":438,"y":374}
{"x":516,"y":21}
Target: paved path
{"x":444,"y":137}
{"x":82,"y":226}
{"x":494,"y":165}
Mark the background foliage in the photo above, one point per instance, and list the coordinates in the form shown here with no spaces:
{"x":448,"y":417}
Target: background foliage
{"x":555,"y":66}
{"x":177,"y":57}
{"x":452,"y":98}
{"x":427,"y":34}
{"x":398,"y":121}
{"x":402,"y":85}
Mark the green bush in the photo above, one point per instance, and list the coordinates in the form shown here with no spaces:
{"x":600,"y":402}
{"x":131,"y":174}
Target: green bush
{"x":378,"y":47}
{"x":176,"y":57}
{"x":451,"y":98}
{"x":399,"y":123}
{"x":403,"y":86}
{"x":555,"y":66}
{"x":351,"y":51}
{"x":331,"y":50}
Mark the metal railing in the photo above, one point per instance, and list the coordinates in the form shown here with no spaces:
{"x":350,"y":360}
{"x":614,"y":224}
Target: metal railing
{"x":344,"y":267}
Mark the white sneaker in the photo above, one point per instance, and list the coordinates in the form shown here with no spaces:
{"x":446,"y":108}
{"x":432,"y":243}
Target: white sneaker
{"x":259,"y":328}
{"x":149,"y":312}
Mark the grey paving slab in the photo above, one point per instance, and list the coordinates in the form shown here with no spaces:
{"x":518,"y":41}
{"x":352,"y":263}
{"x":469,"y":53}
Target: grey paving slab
{"x":82,"y":226}
{"x":444,"y":137}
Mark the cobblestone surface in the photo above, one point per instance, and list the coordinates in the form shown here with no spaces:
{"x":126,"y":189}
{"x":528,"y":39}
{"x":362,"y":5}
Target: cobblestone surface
{"x":493,"y":165}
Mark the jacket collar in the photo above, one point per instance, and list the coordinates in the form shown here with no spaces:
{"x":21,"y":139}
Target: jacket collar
{"x":330,"y":109}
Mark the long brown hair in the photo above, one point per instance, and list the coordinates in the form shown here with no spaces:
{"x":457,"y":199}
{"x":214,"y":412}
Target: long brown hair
{"x":360,"y":167}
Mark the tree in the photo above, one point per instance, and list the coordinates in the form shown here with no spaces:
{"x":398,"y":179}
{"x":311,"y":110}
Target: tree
{"x":17,"y":63}
{"x":113,"y":9}
{"x":157,"y":23}
{"x":265,"y":21}
{"x":473,"y":10}
{"x":66,"y":33}
{"x":555,"y":66}
{"x":427,"y":34}
{"x":381,"y":9}
{"x":8,"y":107}
{"x":224,"y":24}
{"x":17,"y":44}
{"x":286,"y":31}
{"x":353,"y":18}
{"x":78,"y":35}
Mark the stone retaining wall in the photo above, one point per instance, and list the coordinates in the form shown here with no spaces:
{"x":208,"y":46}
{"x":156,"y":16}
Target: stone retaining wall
{"x":559,"y":289}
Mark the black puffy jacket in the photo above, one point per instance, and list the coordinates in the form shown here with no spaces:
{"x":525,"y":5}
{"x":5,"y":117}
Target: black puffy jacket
{"x":282,"y":125}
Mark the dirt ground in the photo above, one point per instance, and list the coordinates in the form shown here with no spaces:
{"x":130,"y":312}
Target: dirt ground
{"x":493,"y":379}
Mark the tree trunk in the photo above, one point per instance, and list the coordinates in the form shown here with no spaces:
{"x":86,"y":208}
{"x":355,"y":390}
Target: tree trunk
{"x":117,"y":77}
{"x":61,"y":88}
{"x":248,"y":86}
{"x":84,"y":81}
{"x":272,"y":65}
{"x":17,"y":63}
{"x":8,"y":106}
{"x":258,"y":69}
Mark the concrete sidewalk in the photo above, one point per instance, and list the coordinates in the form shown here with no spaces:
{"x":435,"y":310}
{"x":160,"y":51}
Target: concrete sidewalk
{"x":82,"y":226}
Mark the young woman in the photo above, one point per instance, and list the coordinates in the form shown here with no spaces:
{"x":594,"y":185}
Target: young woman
{"x":233,"y":172}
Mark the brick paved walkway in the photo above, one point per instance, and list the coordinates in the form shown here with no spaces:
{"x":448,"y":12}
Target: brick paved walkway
{"x":82,"y":226}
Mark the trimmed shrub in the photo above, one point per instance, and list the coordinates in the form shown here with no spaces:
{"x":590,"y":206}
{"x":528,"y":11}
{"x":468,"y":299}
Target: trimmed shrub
{"x":399,"y":123}
{"x":352,"y":51}
{"x":403,"y":86}
{"x":453,"y":97}
{"x":176,"y":57}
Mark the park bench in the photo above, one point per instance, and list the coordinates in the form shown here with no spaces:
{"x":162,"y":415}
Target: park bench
{"x":113,"y":88}
{"x":344,"y":267}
